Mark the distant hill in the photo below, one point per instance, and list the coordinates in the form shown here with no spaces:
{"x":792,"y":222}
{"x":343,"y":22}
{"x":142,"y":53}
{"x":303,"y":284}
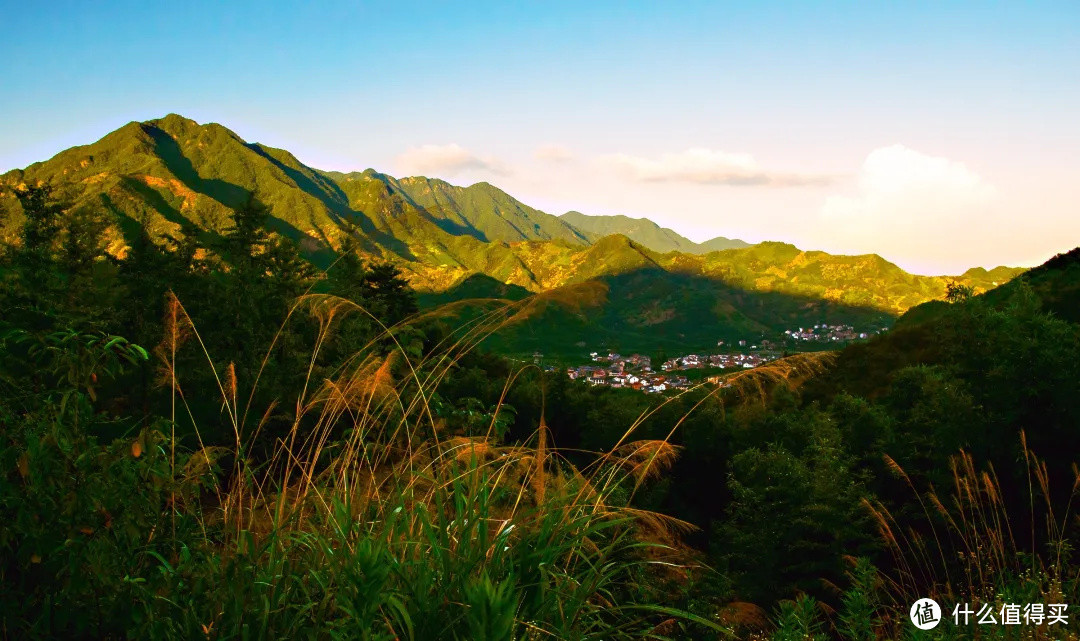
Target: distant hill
{"x":720,"y":244}
{"x":649,"y":309}
{"x":647,"y":233}
{"x":618,"y":294}
{"x":172,"y":176}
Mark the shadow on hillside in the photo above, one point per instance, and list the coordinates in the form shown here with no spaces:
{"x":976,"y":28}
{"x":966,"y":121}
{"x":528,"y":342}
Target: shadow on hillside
{"x":336,"y":202}
{"x":152,"y":197}
{"x":647,"y":310}
{"x":474,"y":286}
{"x":170,"y":153}
{"x":457,"y":229}
{"x":324,"y":189}
{"x":232,"y":195}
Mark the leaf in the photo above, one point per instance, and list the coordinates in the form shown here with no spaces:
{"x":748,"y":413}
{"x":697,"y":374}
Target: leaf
{"x":24,"y":465}
{"x":166,"y":567}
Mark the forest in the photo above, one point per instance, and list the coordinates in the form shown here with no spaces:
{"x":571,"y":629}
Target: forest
{"x":214,"y":438}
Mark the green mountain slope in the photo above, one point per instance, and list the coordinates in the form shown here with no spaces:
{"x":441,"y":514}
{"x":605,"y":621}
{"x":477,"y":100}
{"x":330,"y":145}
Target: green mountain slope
{"x":650,"y":309}
{"x":647,"y":233}
{"x":486,"y":212}
{"x":1056,"y":283}
{"x":931,"y":333}
{"x":620,"y":295}
{"x":173,"y":176}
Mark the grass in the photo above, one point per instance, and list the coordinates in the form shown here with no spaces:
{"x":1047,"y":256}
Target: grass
{"x":970,"y":549}
{"x":373,"y":518}
{"x":370,"y":519}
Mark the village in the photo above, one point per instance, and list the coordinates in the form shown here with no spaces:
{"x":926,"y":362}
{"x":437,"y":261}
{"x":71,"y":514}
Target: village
{"x":828,"y":333}
{"x":636,"y":371}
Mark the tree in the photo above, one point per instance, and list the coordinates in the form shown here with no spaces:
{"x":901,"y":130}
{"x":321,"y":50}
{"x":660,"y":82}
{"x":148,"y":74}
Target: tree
{"x":29,"y":298}
{"x":793,"y":516}
{"x":379,"y":288}
{"x":958,"y":293}
{"x":39,"y":232}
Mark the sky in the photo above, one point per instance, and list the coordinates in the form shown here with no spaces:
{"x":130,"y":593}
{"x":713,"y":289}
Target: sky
{"x":940,"y":135}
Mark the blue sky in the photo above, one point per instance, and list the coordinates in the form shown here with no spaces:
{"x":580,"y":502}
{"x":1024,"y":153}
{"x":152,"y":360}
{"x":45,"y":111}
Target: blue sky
{"x":848,"y":127}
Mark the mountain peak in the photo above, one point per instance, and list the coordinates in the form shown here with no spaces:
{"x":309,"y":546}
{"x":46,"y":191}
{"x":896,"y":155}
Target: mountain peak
{"x":176,"y":125}
{"x":172,"y":119}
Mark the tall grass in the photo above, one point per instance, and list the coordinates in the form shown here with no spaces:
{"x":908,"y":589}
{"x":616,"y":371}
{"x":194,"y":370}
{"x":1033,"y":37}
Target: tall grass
{"x":968,"y":550}
{"x":369,"y":519}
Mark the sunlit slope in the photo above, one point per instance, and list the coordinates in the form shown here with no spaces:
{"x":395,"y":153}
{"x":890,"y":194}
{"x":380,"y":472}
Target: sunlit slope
{"x":172,"y":176}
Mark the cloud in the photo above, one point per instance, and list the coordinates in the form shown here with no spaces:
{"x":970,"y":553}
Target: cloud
{"x":706,"y":167}
{"x":930,"y":213}
{"x":553,"y":153}
{"x":446,"y":160}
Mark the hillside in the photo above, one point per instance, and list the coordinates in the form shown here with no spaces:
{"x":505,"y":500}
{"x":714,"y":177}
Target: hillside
{"x":486,"y":212}
{"x":619,"y":295}
{"x":936,"y":331}
{"x":173,"y":176}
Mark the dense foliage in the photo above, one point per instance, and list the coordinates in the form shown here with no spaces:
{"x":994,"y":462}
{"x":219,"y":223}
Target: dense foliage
{"x":210,"y":437}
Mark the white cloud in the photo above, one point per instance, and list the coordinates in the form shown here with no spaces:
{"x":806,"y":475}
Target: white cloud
{"x":929,"y":213}
{"x":553,"y":153}
{"x":706,"y":167}
{"x":446,"y":160}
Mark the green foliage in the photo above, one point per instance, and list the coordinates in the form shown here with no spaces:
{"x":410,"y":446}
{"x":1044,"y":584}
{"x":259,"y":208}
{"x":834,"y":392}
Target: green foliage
{"x":77,"y":513}
{"x":958,"y":293}
{"x":799,"y":620}
{"x":490,"y":614}
{"x":459,"y":496}
{"x":858,"y":615}
{"x":791,"y":518}
{"x":70,"y":362}
{"x":122,"y":524}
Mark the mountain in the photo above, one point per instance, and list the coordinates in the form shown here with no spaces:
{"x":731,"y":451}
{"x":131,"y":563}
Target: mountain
{"x":936,"y":331}
{"x":647,"y":233}
{"x":720,"y":244}
{"x":172,"y":176}
{"x":618,"y":294}
{"x":487,"y":212}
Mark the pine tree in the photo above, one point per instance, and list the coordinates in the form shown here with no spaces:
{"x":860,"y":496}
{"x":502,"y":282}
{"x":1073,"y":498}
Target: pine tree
{"x":29,"y":299}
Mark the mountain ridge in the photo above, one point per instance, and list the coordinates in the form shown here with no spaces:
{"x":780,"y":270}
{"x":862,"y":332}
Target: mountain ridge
{"x":174,"y":176}
{"x":648,"y":233}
